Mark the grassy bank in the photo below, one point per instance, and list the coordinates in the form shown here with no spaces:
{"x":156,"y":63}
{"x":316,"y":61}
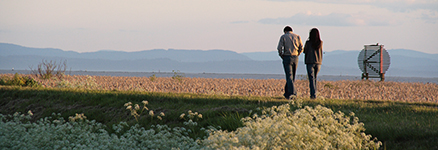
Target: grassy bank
{"x":398,"y":125}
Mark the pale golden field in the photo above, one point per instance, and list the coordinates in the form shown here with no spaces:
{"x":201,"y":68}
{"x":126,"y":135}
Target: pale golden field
{"x":361,"y":90}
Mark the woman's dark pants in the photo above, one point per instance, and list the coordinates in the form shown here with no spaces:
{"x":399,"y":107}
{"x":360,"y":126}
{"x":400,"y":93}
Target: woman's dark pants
{"x":312,"y":72}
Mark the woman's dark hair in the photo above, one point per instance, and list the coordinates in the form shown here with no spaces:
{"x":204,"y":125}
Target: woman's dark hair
{"x":314,"y":38}
{"x":287,"y":29}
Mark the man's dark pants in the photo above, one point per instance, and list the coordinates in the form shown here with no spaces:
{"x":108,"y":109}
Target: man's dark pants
{"x":290,"y":64}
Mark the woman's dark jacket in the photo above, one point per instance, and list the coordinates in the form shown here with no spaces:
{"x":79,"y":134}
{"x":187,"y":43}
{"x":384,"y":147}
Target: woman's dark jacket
{"x":312,"y":56}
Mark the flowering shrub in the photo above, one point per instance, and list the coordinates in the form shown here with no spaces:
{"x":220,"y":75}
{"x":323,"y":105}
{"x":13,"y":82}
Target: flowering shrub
{"x":153,"y":78}
{"x":192,"y":126}
{"x":307,"y":128}
{"x":19,"y":80}
{"x":191,"y":115}
{"x":88,"y":83}
{"x":276,"y":128}
{"x":136,"y":110}
{"x":177,"y":75}
{"x":16,"y":132}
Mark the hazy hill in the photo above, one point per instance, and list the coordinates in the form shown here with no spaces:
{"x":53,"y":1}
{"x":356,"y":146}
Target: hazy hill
{"x":179,"y":55}
{"x":407,"y":63}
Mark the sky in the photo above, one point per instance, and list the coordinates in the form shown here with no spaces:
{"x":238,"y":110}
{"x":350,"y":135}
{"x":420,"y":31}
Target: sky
{"x":236,"y":25}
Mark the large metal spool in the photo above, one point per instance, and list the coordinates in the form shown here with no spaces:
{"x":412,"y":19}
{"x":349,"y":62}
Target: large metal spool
{"x":373,"y":61}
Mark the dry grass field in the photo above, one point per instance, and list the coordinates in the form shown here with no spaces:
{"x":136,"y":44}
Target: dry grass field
{"x":361,"y":90}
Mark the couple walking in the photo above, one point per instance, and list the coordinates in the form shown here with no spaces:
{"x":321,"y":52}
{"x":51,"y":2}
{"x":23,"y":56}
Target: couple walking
{"x":289,"y":48}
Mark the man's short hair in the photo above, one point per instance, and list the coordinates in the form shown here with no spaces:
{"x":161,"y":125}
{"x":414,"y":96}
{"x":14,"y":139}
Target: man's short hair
{"x":287,"y":29}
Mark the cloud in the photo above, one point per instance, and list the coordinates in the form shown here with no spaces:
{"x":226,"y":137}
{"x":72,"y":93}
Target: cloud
{"x":4,"y":31}
{"x":429,"y":17}
{"x":393,"y":5}
{"x":407,"y":5}
{"x":333,"y":19}
{"x":239,"y":22}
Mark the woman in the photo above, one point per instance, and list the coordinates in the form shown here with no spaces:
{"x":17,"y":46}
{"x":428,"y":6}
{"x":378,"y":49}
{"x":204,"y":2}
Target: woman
{"x":313,"y":59}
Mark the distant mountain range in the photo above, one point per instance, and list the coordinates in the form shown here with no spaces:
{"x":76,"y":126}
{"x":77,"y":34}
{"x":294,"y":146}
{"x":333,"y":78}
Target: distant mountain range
{"x":405,"y":63}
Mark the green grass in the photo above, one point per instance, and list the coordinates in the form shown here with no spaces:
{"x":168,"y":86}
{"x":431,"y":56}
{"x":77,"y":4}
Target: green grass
{"x":398,"y":125}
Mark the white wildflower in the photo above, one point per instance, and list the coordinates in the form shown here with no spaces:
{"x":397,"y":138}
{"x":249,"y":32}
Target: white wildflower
{"x":137,"y":107}
{"x":128,"y":103}
{"x":151,"y":113}
{"x":30,"y":113}
{"x":145,"y":102}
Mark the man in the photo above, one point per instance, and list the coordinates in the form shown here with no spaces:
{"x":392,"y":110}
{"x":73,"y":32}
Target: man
{"x":289,"y":48}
